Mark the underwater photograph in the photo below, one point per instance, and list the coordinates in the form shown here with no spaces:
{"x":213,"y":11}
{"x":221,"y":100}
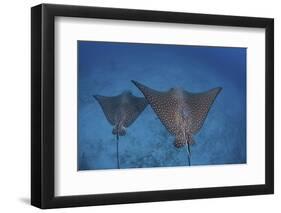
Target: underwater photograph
{"x":160,"y":105}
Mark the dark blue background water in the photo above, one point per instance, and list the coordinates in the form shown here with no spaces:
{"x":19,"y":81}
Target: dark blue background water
{"x":107,"y":68}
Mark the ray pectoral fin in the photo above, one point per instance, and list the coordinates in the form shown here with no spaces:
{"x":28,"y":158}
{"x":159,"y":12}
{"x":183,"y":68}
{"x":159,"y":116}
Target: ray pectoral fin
{"x":200,"y":104}
{"x":147,"y":92}
{"x":96,"y":97}
{"x":141,"y":87}
{"x":108,"y":105}
{"x":162,"y":103}
{"x":134,"y":109}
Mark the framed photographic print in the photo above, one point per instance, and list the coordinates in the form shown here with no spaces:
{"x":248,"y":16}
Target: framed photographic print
{"x":140,"y":106}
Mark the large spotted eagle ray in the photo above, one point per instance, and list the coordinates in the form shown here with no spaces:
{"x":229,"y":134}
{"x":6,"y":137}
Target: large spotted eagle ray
{"x":121,"y":111}
{"x":181,"y":112}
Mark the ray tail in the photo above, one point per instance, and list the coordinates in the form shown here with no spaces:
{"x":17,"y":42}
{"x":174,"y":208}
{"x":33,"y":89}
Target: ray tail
{"x":117,"y":150}
{"x":188,"y":154}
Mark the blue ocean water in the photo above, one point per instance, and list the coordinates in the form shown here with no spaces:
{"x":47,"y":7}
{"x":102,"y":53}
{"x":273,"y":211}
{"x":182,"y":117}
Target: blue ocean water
{"x":107,"y":68}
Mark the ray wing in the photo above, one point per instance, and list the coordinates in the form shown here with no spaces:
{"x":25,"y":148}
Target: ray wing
{"x":200,"y":104}
{"x":134,"y":108}
{"x":109,"y":106}
{"x":163,"y":103}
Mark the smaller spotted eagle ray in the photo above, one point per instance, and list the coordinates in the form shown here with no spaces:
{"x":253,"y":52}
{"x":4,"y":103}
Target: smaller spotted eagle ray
{"x":121,"y":111}
{"x":181,"y":112}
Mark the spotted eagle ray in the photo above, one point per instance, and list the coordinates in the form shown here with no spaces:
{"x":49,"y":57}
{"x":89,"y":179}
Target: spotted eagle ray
{"x":121,"y":111}
{"x":181,"y":112}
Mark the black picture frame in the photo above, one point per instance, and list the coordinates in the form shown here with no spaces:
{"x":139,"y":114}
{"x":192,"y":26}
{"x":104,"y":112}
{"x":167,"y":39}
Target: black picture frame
{"x":43,"y":111}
